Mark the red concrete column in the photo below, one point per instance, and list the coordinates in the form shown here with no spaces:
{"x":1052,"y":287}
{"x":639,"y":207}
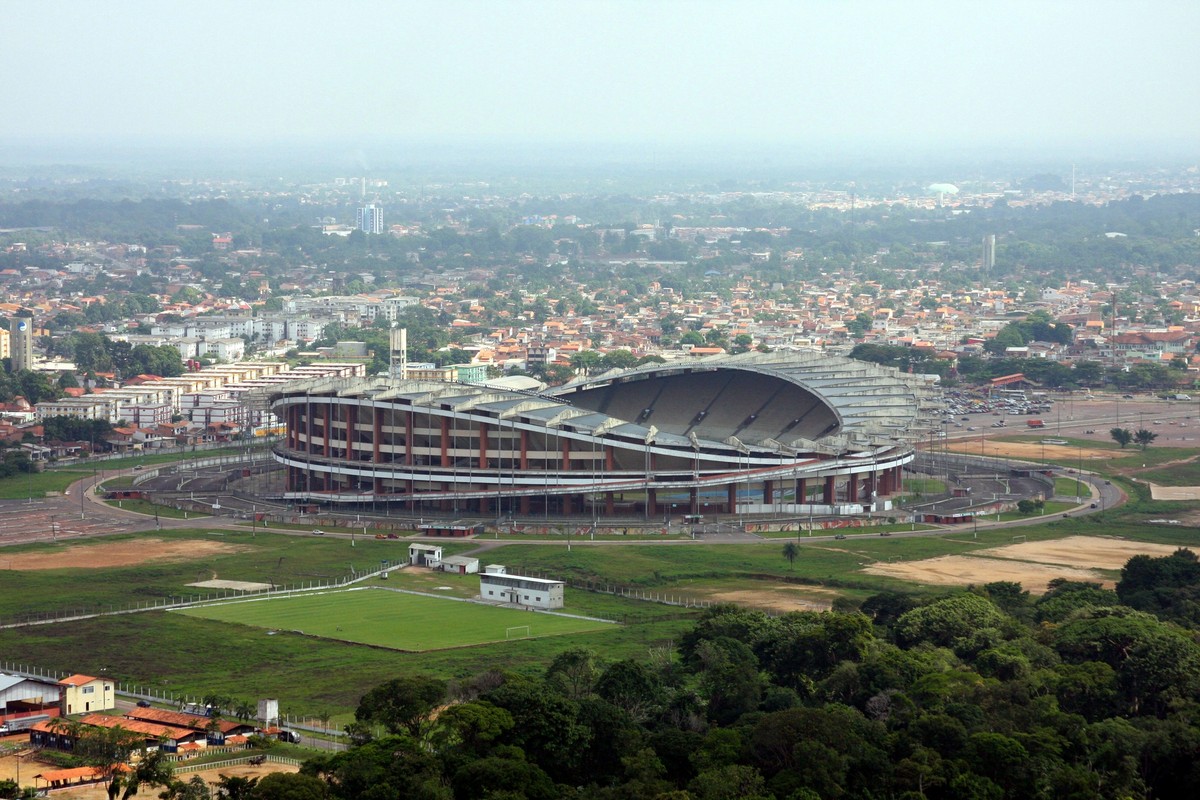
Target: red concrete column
{"x":609,"y":504}
{"x":308,"y":432}
{"x":445,"y":441}
{"x":830,"y":490}
{"x":408,"y":438}
{"x":567,"y":504}
{"x":483,"y":445}
{"x":801,"y":490}
{"x":731,"y":498}
{"x":610,"y":458}
{"x":768,"y":492}
{"x":566,"y":454}
{"x":694,"y":501}
{"x":327,"y":428}
{"x":651,"y":502}
{"x":852,"y":491}
{"x":524,"y":457}
{"x":352,"y":432}
{"x":525,"y":504}
{"x":377,"y":433}
{"x":484,"y":505}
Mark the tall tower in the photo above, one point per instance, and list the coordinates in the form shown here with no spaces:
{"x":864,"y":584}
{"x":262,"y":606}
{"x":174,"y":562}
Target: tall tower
{"x":989,"y":253}
{"x":21,"y":330}
{"x":370,"y":219}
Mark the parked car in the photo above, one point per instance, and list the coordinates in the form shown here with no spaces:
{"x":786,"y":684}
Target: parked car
{"x":840,"y":536}
{"x":143,"y":703}
{"x":317,"y":532}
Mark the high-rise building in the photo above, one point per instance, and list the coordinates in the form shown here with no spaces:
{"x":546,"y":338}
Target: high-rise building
{"x":370,"y":219}
{"x":989,"y":252}
{"x":21,"y":331}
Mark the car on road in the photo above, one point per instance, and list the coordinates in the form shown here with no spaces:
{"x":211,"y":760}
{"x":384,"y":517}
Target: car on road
{"x":380,"y":536}
{"x":1089,"y":430}
{"x":885,"y":533}
{"x":317,"y":532}
{"x":143,"y":703}
{"x":972,"y":428}
{"x":1127,"y":396}
{"x":840,"y":536}
{"x":393,"y":536}
{"x":1095,"y":505}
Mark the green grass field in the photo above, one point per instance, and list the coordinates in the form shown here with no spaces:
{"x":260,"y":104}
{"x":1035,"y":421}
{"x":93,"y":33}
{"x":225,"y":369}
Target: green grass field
{"x":1070,"y":487}
{"x":382,"y":618}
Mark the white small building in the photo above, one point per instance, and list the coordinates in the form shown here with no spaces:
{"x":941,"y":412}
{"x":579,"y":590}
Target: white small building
{"x":424,"y":555}
{"x":463,"y":565}
{"x":519,"y":590}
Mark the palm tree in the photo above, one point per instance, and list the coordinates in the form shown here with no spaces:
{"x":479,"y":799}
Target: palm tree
{"x":245,"y":710}
{"x":790,"y":551}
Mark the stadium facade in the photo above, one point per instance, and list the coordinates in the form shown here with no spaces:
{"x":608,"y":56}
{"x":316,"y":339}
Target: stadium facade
{"x":757,"y":432}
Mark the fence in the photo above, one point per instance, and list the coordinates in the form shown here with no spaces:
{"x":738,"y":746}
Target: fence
{"x":618,"y":590}
{"x":187,"y":601}
{"x":235,"y":762}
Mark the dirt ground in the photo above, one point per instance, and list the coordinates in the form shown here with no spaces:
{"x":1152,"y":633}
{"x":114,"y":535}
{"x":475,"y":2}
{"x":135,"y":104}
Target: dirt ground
{"x":1097,"y":552}
{"x":780,"y":598}
{"x":118,"y":554}
{"x":967,"y":570}
{"x":1174,"y":492}
{"x":1030,"y":450}
{"x":242,"y":586}
{"x":29,"y":768}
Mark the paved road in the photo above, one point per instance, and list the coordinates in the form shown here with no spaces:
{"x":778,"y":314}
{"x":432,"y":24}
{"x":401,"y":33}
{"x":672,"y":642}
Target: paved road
{"x":69,"y":517}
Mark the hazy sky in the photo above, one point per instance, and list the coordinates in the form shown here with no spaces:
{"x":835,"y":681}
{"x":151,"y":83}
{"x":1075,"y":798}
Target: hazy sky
{"x":901,"y":71}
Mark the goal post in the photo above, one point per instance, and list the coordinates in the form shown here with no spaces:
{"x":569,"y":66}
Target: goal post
{"x":517,"y":632}
{"x":1018,"y":538}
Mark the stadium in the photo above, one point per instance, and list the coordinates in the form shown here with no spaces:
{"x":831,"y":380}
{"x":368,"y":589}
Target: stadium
{"x":799,"y":432}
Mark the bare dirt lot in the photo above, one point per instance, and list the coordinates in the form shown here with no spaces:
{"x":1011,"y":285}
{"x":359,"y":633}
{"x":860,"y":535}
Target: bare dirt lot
{"x":241,"y":586}
{"x":29,"y":768}
{"x":117,"y":554}
{"x":968,"y":570}
{"x":1034,"y":451}
{"x":1099,"y":552}
{"x":1032,"y":564}
{"x":780,"y":598}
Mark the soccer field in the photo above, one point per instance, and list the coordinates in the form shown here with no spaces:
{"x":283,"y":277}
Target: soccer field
{"x":390,"y":619}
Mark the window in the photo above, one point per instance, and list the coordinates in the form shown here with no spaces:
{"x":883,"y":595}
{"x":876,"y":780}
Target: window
{"x":89,"y":690}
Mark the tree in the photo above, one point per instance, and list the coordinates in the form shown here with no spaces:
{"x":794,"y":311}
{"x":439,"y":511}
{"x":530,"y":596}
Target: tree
{"x":790,"y":551}
{"x":403,"y":705}
{"x":154,"y":769}
{"x":1144,"y":438}
{"x":1122,"y":436}
{"x":235,"y":787}
{"x":194,"y":789}
{"x":289,"y":786}
{"x":573,"y":672}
